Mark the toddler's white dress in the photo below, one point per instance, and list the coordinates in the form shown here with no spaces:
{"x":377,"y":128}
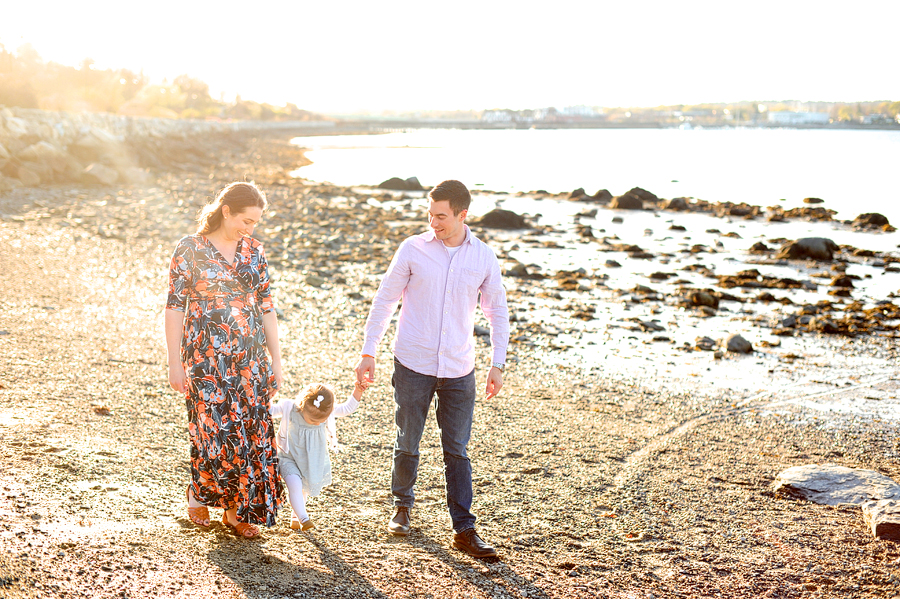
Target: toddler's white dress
{"x":303,"y":447}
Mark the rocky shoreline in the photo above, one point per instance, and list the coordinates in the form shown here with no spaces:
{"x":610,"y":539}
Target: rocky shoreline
{"x":591,"y":482}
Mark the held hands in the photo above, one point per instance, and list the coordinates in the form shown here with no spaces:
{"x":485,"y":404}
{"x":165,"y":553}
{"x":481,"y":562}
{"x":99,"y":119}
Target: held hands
{"x":365,"y":370}
{"x":494,"y":383}
{"x":358,"y":389}
{"x":279,"y":378}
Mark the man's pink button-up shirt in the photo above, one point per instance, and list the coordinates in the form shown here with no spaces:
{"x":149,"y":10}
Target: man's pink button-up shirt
{"x":435,"y":331}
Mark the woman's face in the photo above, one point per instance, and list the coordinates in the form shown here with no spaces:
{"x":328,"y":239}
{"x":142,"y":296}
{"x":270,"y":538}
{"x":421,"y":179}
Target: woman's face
{"x":238,"y":224}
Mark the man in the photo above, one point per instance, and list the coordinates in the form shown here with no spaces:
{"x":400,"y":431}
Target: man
{"x":439,"y":275}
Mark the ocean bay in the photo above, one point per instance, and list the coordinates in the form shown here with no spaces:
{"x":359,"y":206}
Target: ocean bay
{"x":854,"y":171}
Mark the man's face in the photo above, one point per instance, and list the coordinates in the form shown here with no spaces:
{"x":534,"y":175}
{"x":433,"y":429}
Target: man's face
{"x":445,"y":224}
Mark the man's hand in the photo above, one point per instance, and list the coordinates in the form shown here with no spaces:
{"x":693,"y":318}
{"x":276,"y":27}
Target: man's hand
{"x":494,"y":383}
{"x":365,"y":370}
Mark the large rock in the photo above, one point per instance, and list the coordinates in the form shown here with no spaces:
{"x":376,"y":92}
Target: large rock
{"x":28,"y":176}
{"x":398,"y":184}
{"x":98,"y":173}
{"x":603,"y":196}
{"x":627,"y":202}
{"x":737,"y":344}
{"x":830,"y":484}
{"x":645,"y":195}
{"x":870,"y":219}
{"x":94,"y":144}
{"x":677,"y":204}
{"x":883,"y":518}
{"x":814,"y":248}
{"x":501,"y":219}
{"x":703,"y":298}
{"x":45,"y":153}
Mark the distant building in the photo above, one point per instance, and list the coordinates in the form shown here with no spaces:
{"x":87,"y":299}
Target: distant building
{"x":787,"y":117}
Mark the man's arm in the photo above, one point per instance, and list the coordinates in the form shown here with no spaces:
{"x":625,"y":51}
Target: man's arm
{"x":493,"y":304}
{"x":383,"y":306}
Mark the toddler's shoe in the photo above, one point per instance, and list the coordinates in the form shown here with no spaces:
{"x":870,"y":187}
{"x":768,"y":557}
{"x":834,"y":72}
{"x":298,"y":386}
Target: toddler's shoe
{"x":301,"y":526}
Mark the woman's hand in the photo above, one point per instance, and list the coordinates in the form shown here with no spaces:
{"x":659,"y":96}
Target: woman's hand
{"x":279,"y":378}
{"x":177,"y":378}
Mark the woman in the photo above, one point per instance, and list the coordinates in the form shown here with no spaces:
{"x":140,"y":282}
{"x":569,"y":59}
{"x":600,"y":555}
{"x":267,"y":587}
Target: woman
{"x":220,"y":318}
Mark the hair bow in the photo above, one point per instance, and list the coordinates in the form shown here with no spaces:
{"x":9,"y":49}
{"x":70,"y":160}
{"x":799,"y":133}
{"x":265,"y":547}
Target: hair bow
{"x":318,"y":401}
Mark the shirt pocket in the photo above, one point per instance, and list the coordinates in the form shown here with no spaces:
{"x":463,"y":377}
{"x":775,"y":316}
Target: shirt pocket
{"x":471,"y":280}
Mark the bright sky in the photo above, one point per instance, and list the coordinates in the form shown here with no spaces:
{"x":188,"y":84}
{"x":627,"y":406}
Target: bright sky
{"x":338,"y":56}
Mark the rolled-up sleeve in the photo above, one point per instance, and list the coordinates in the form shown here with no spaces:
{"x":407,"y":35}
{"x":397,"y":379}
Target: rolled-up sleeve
{"x":493,"y":304}
{"x":179,"y":279}
{"x":386,"y":299}
{"x":263,"y":293}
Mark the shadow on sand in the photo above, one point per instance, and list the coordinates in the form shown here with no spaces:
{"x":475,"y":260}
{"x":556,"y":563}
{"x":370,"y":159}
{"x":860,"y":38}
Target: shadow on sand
{"x":260,"y":573}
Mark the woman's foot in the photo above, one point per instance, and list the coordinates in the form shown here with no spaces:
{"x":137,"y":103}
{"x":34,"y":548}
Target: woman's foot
{"x":248,"y":531}
{"x":199,"y":515}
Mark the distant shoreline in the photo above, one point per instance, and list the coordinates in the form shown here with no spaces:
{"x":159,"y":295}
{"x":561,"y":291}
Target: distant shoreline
{"x":364,"y":126}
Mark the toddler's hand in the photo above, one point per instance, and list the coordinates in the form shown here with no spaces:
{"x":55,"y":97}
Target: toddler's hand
{"x":362,"y":386}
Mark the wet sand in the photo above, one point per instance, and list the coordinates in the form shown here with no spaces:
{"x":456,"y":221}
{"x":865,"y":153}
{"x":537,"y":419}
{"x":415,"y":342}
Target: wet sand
{"x":598,"y":473}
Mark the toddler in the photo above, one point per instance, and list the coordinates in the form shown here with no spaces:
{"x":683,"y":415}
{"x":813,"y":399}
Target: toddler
{"x":307,"y":429}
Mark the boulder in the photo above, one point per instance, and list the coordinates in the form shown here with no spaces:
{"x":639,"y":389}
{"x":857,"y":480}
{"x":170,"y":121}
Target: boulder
{"x":677,"y":204}
{"x":813,"y":201}
{"x":870,"y":219}
{"x":737,"y":344}
{"x":134,"y":174}
{"x":16,"y":127}
{"x":883,"y":518}
{"x":100,"y":174}
{"x":577,"y":194}
{"x":603,"y":196}
{"x":705,"y":343}
{"x":28,"y":176}
{"x":703,"y":298}
{"x":643,"y":194}
{"x":44,"y":153}
{"x":842,"y":281}
{"x":830,"y":484}
{"x":398,"y":184}
{"x":93,"y":145}
{"x":814,"y":248}
{"x":759,"y":248}
{"x":516,"y":269}
{"x":627,"y":202}
{"x":501,"y":219}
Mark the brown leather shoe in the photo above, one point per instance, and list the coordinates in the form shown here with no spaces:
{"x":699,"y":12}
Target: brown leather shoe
{"x":469,"y":541}
{"x":399,"y":524}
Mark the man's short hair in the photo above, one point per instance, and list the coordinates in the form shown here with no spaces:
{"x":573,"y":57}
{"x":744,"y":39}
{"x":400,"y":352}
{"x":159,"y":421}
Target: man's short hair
{"x":454,"y":192}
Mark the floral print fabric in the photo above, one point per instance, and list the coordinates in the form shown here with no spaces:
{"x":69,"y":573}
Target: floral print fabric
{"x":233,"y":456}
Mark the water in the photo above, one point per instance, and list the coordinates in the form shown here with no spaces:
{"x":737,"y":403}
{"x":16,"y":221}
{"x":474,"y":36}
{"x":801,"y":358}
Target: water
{"x":850,"y":170}
{"x":854,"y":171}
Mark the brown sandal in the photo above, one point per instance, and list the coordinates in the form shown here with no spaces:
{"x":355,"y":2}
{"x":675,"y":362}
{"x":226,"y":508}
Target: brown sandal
{"x":197,"y":515}
{"x":242,"y":528}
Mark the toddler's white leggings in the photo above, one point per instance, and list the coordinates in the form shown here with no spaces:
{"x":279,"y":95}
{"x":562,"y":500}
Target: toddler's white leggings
{"x":297,"y":496}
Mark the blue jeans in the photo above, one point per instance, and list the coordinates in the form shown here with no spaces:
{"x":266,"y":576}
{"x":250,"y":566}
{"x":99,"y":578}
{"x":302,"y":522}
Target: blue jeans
{"x":454,"y":409}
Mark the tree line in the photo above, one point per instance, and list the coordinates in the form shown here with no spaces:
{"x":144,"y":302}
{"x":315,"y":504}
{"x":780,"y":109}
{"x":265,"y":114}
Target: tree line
{"x":27,"y":81}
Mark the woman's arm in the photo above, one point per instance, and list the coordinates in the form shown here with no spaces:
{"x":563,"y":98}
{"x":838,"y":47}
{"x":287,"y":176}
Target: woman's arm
{"x":270,"y":325}
{"x":174,"y":334}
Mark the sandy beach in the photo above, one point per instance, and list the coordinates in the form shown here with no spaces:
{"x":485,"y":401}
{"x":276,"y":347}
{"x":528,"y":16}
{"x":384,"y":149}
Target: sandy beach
{"x":615,"y":463}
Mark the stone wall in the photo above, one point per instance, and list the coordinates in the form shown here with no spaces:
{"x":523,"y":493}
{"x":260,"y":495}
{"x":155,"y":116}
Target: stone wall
{"x":38,"y":146}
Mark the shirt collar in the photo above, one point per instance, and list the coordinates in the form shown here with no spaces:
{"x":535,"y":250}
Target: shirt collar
{"x":429,"y":235}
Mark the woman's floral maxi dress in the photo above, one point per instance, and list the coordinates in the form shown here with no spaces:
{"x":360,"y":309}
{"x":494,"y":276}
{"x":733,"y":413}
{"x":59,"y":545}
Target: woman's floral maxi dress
{"x":233,"y":456}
